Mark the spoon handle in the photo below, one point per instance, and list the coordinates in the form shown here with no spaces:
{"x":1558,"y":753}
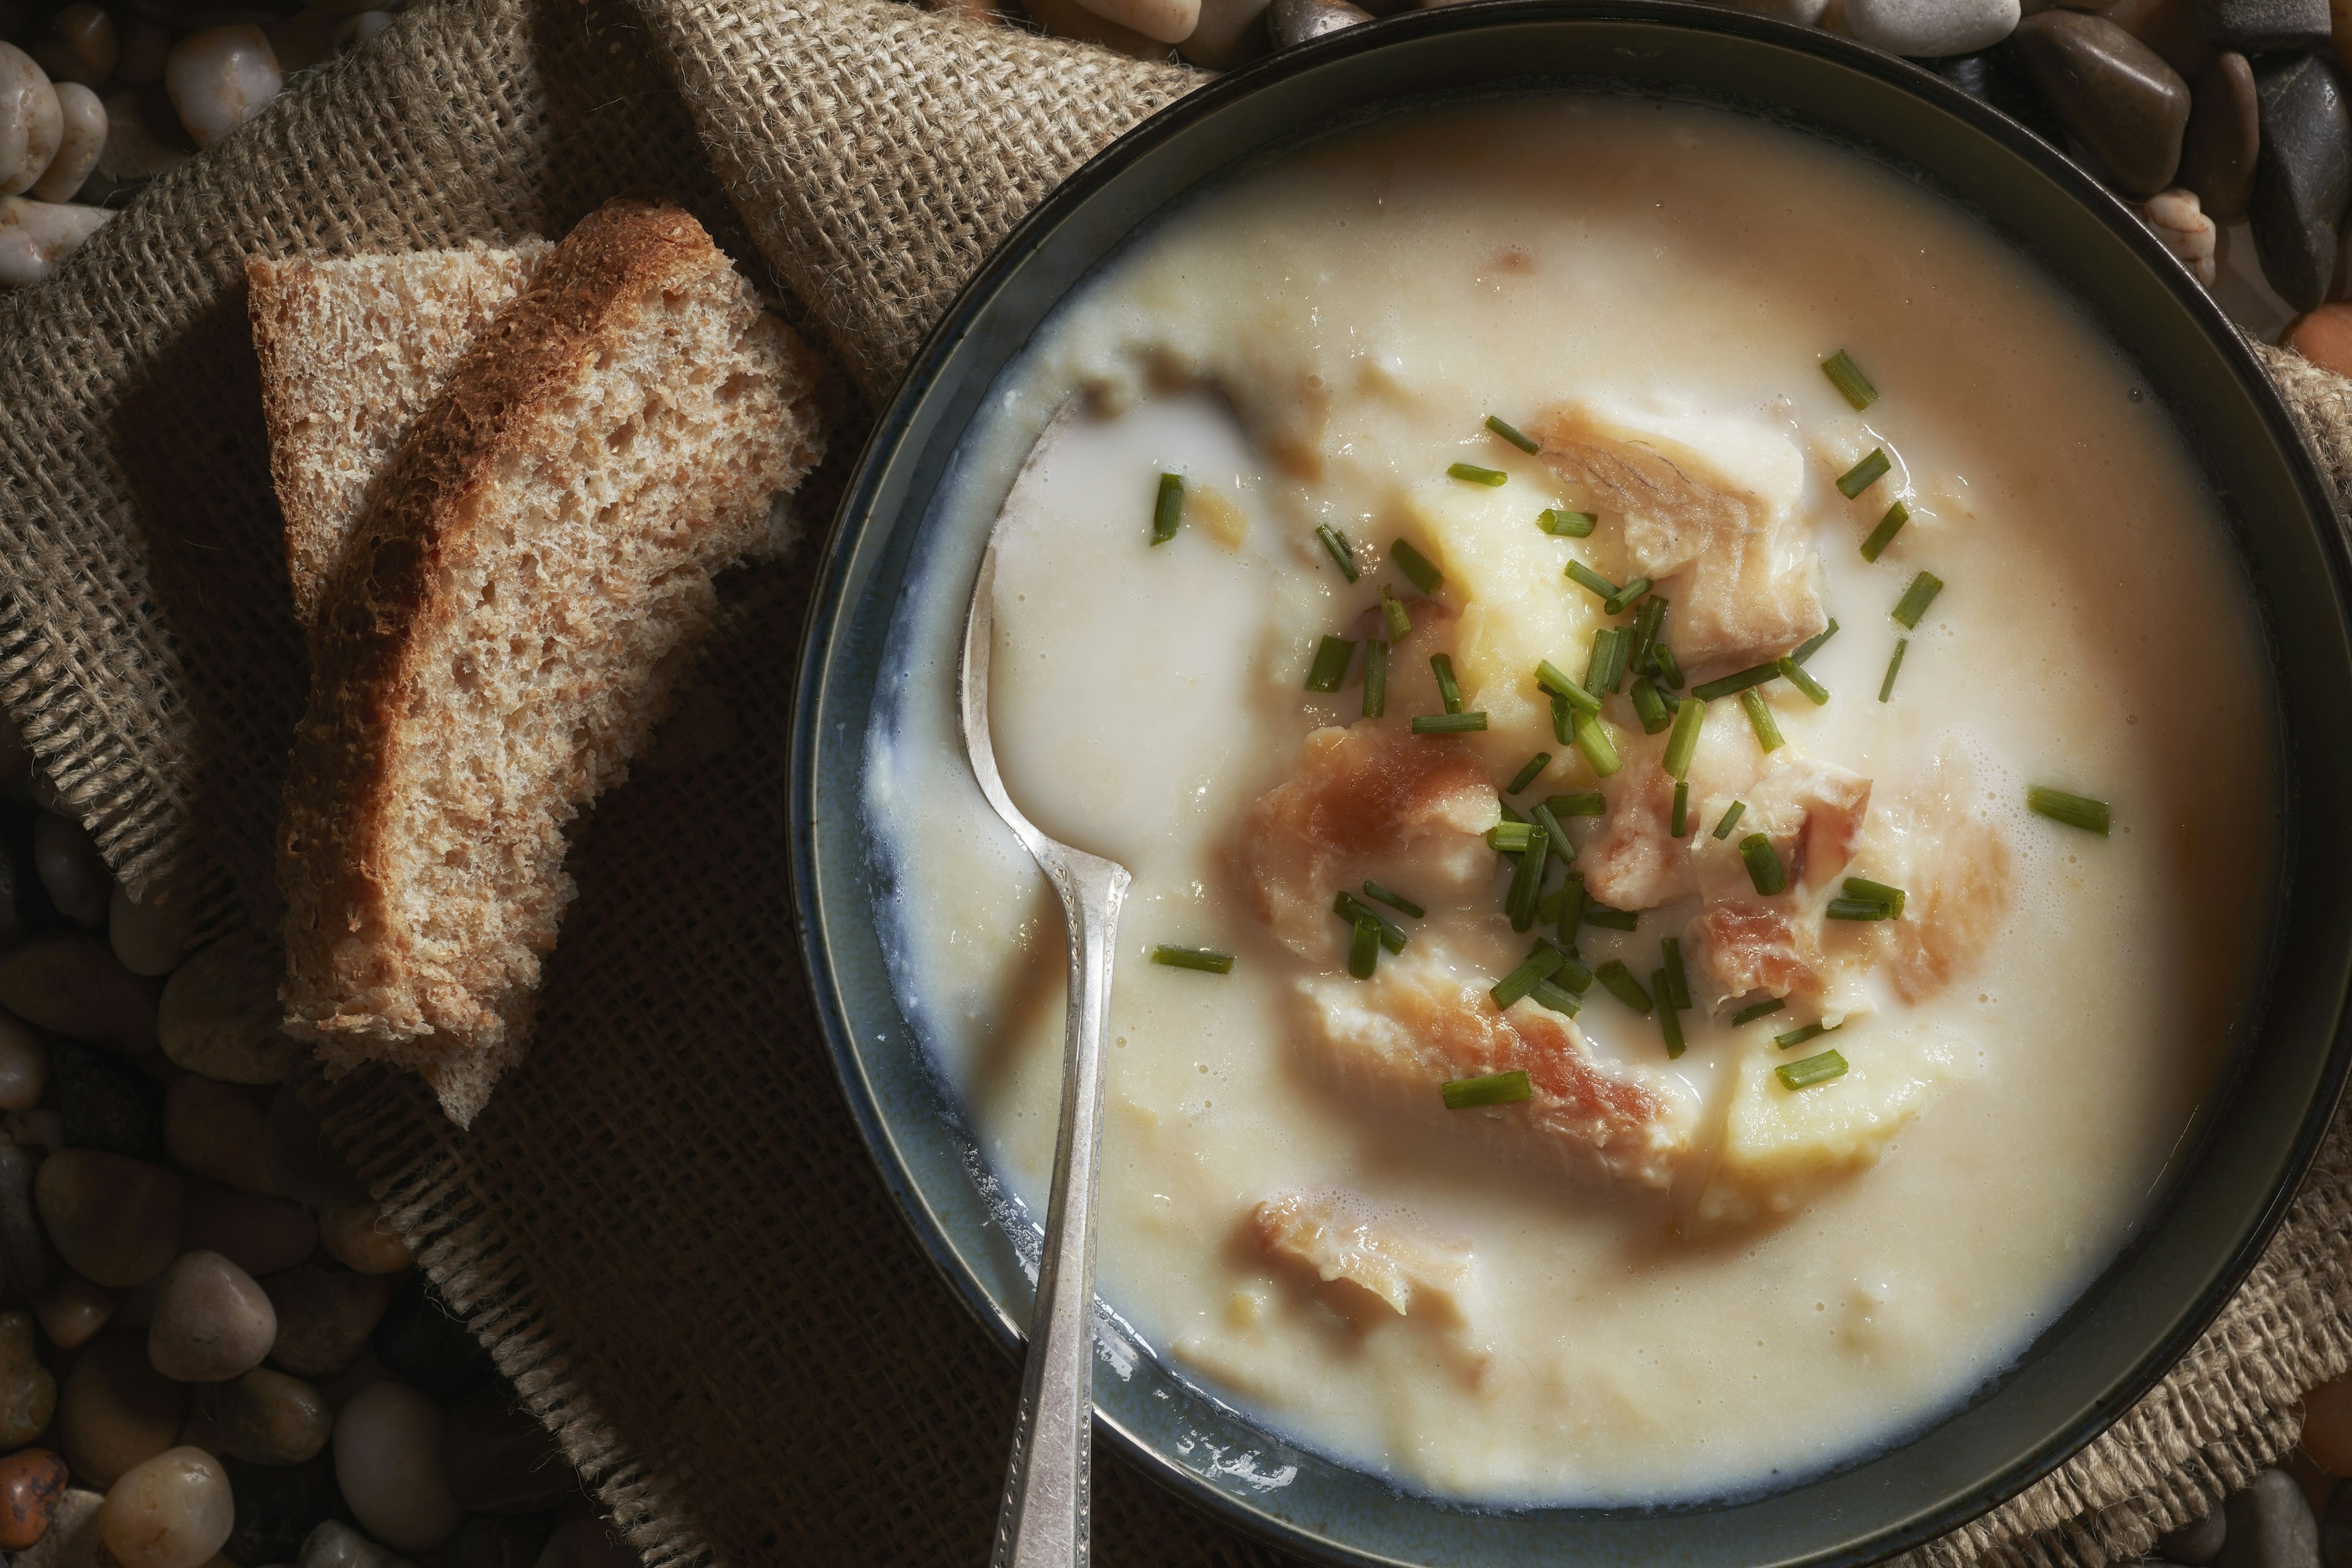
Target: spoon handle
{"x":1041,"y":1523}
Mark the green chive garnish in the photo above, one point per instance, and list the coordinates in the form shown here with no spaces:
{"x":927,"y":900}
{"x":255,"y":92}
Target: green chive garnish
{"x":1812,"y":645}
{"x":1627,"y":597}
{"x":1650,"y":707}
{"x":1647,"y":622}
{"x":1330,"y":667}
{"x":1886,"y":687}
{"x":1682,"y":745}
{"x":1857,"y":909}
{"x":2073,"y":810}
{"x":1500,"y":427}
{"x":1348,"y":907}
{"x":1511,"y":837}
{"x":1571,"y":975}
{"x":1917,"y":598}
{"x":1594,"y":743}
{"x":1527,"y":775}
{"x":1811,"y":1071}
{"x":1495,"y":1088}
{"x":1448,"y":723}
{"x":1760,"y":720}
{"x":1449,"y":690}
{"x":1754,"y":1011}
{"x":1364,"y":949}
{"x":1587,"y":803}
{"x":1490,"y":478}
{"x":1763,"y":866}
{"x":1541,"y":963}
{"x":1670,"y":1023}
{"x":1883,"y":534}
{"x":1394,"y":900}
{"x":1847,"y":378}
{"x":1879,"y":893}
{"x":1798,"y":1037}
{"x":1794,"y":674}
{"x":1732,"y":685}
{"x":1623,"y":985}
{"x":1737,"y":809}
{"x":1341,"y":551}
{"x":1865,"y":474}
{"x":1661,"y":659}
{"x":1563,"y":721}
{"x":1607,"y":919}
{"x":1400,"y":622}
{"x":1566,"y":524}
{"x":1677,"y":979}
{"x":1526,"y":882}
{"x":1681,"y":824}
{"x":1550,"y":825}
{"x":1199,"y":958}
{"x":1416,"y":566}
{"x":1571,"y":916}
{"x":1376,"y":678}
{"x":1557,"y":681}
{"x":1167,"y":510}
{"x":1558,"y":997}
{"x":1586,"y":577}
{"x":1604,"y":668}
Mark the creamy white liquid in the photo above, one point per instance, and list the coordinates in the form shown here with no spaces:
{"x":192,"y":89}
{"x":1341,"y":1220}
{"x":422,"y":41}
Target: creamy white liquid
{"x":1363,"y":306}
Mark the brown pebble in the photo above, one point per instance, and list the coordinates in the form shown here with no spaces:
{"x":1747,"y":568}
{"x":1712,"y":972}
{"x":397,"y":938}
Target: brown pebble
{"x":150,"y":938}
{"x":220,"y":1015}
{"x":265,"y":1235}
{"x":74,"y":985}
{"x":114,"y":1218}
{"x":175,"y":1511}
{"x":72,"y":1312}
{"x":358,"y":1238}
{"x":212,"y":1321}
{"x":2224,"y":135}
{"x":116,"y":1410}
{"x":72,"y":1541}
{"x":2170,"y":27}
{"x":214,"y":1130}
{"x":2323,"y":336}
{"x":325,"y":1317}
{"x":31,"y":1482}
{"x":28,"y":1394}
{"x":264,"y":1418}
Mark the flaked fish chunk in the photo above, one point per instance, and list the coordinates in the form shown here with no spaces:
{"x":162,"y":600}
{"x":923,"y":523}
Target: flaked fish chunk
{"x":1424,"y":1019}
{"x":1635,"y":862}
{"x":1339,"y":1239}
{"x":1360,"y":798}
{"x":1813,"y":814}
{"x":1710,"y":510}
{"x":1941,"y":844}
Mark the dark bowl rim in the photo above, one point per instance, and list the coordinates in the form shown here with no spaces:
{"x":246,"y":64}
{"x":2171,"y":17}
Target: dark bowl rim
{"x":972,"y":300}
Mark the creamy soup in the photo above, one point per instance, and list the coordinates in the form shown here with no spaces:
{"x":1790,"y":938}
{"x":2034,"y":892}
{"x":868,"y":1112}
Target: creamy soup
{"x":1772,"y":1085}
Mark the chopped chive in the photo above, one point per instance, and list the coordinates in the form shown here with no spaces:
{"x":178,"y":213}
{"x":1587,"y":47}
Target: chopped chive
{"x":1167,"y":510}
{"x":1594,"y":743}
{"x":1858,"y":909}
{"x":1341,"y":553}
{"x":1756,"y":1010}
{"x":1627,"y":597}
{"x":1650,"y":708}
{"x":1199,"y":958}
{"x":1811,"y":1071}
{"x":1559,"y":682}
{"x":1607,"y":919}
{"x":1419,"y":568}
{"x":1376,"y":678}
{"x":1847,"y":378}
{"x":1760,"y":720}
{"x":2073,"y":810}
{"x":1526,"y":882}
{"x":1586,"y":577}
{"x":1886,"y":687}
{"x":1678,"y":978}
{"x":1812,"y":645}
{"x":1647,"y":622}
{"x":1681,"y":824}
{"x":1490,"y":478}
{"x":1763,"y":866}
{"x":1571,"y":917}
{"x":1865,"y":474}
{"x":1448,"y":723}
{"x":1732,"y":685}
{"x":1879,"y":893}
{"x":1917,"y":598}
{"x":1449,"y":690}
{"x":1495,"y":1088}
{"x":1566,"y":524}
{"x":1563,"y":721}
{"x":1795,"y":1037}
{"x":1394,"y":612}
{"x":1682,"y":745}
{"x":1511,"y":837}
{"x":1586,"y":804}
{"x":1794,"y":673}
{"x":1550,"y":825}
{"x":1540,"y":963}
{"x":1330,"y":667}
{"x":1737,"y":809}
{"x":1348,"y":907}
{"x":1883,"y":534}
{"x":1661,"y":659}
{"x":1670,"y":1023}
{"x":1527,"y":775}
{"x":1572,"y":975}
{"x":1508,"y":815}
{"x":1623,"y":985}
{"x":1364,"y":949}
{"x":1394,"y":900}
{"x":1620,"y":639}
{"x":1558,"y":997}
{"x":1508,"y":432}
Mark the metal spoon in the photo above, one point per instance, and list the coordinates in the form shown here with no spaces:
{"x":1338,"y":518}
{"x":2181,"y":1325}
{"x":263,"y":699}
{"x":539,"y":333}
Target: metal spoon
{"x":1041,"y":1522}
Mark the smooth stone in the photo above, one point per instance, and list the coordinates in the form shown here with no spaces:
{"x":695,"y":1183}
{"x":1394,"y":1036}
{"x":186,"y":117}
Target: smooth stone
{"x":2111,"y":92}
{"x":73,"y":1312}
{"x":425,"y":1345}
{"x":2170,"y":27}
{"x":263,"y":1235}
{"x":335,"y":1544}
{"x":25,"y":1254}
{"x":2224,"y":137}
{"x":215,"y":1131}
{"x":24,"y":1066}
{"x":325,"y":1317}
{"x":1296,"y":21}
{"x":174,"y":1512}
{"x":219,"y":78}
{"x":31,"y":124}
{"x":498,"y":1458}
{"x":2328,"y":1409}
{"x":2194,"y":1546}
{"x":151,"y":938}
{"x":32,"y":1481}
{"x":113,"y":1218}
{"x":358,"y":1239}
{"x":1071,"y":19}
{"x":81,"y":47}
{"x":1925,"y":28}
{"x":2269,"y":1525}
{"x":2303,"y":176}
{"x":105,"y":1103}
{"x":28,"y":1393}
{"x":1167,"y":21}
{"x":72,"y":1541}
{"x":364,"y":1373}
{"x":583,"y":1540}
{"x":212,"y":1321}
{"x":277,"y":1506}
{"x":264,"y":1418}
{"x":74,"y":985}
{"x":303,"y":1162}
{"x":388,"y":1462}
{"x":67,"y":861}
{"x":483,"y":1541}
{"x":220,"y":1015}
{"x":2263,"y":26}
{"x":1229,"y":32}
{"x":116,"y":1410}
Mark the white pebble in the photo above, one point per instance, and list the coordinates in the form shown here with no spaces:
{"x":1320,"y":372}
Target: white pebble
{"x":84,"y":138}
{"x":388,"y":1462}
{"x":31,"y":124}
{"x":150,"y":938}
{"x":2176,"y":218}
{"x":219,"y":78}
{"x":1923,"y":29}
{"x":174,"y":1512}
{"x":1168,"y":21}
{"x":36,"y":235}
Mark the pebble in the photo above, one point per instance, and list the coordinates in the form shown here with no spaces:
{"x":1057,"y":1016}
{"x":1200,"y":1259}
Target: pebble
{"x":1296,"y":21}
{"x":388,"y":1462}
{"x":81,"y":47}
{"x":2224,"y":135}
{"x":357,"y":1237}
{"x":69,"y":866}
{"x":2303,"y":176}
{"x":277,"y":1506}
{"x":25,"y":1255}
{"x":212,"y":1321}
{"x":335,"y":1544}
{"x":72,"y":1313}
{"x":262,"y":1235}
{"x":1073,"y":19}
{"x":366,"y":1371}
{"x":78,"y":148}
{"x":24,"y":1066}
{"x":426,"y":1346}
{"x":1228,"y":32}
{"x":28,"y":1393}
{"x":217,"y":1131}
{"x":1168,"y":21}
{"x":174,"y":1512}
{"x":72,"y":1541}
{"x":150,"y":938}
{"x":486,"y":1543}
{"x":325,"y":1317}
{"x":115,"y":1219}
{"x":2170,"y":27}
{"x":498,"y":1458}
{"x":303,"y":1163}
{"x":263,"y":1417}
{"x":1925,"y":28}
{"x":74,"y":985}
{"x":106,"y":1103}
{"x":32,"y":1481}
{"x":220,"y":1015}
{"x":35,"y":236}
{"x":2328,"y":1409}
{"x":2194,"y":1546}
{"x":219,"y":78}
{"x":116,"y":1410}
{"x":2259,"y":27}
{"x":2111,"y":92}
{"x":30,"y":122}
{"x":2269,"y":1525}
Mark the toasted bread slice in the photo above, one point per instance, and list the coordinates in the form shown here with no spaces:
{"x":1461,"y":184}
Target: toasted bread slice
{"x":351,"y":350}
{"x":505,"y":629}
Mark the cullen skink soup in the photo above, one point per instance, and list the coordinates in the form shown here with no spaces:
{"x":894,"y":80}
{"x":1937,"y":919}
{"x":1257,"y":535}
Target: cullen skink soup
{"x":1638,"y":661}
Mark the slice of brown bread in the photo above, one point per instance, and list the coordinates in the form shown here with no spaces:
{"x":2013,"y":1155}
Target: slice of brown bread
{"x":505,"y":629}
{"x":352,"y":349}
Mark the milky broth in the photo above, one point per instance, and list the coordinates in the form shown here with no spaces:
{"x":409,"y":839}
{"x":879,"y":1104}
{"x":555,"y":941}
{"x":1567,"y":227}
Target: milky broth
{"x":1310,"y":343}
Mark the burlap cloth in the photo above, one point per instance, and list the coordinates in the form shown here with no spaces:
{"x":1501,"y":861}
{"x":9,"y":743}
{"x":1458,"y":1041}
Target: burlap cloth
{"x":665,"y":1226}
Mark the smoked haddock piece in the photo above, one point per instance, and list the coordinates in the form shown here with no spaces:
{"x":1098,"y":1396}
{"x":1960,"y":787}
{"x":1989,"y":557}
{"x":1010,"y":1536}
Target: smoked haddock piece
{"x":505,"y":627}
